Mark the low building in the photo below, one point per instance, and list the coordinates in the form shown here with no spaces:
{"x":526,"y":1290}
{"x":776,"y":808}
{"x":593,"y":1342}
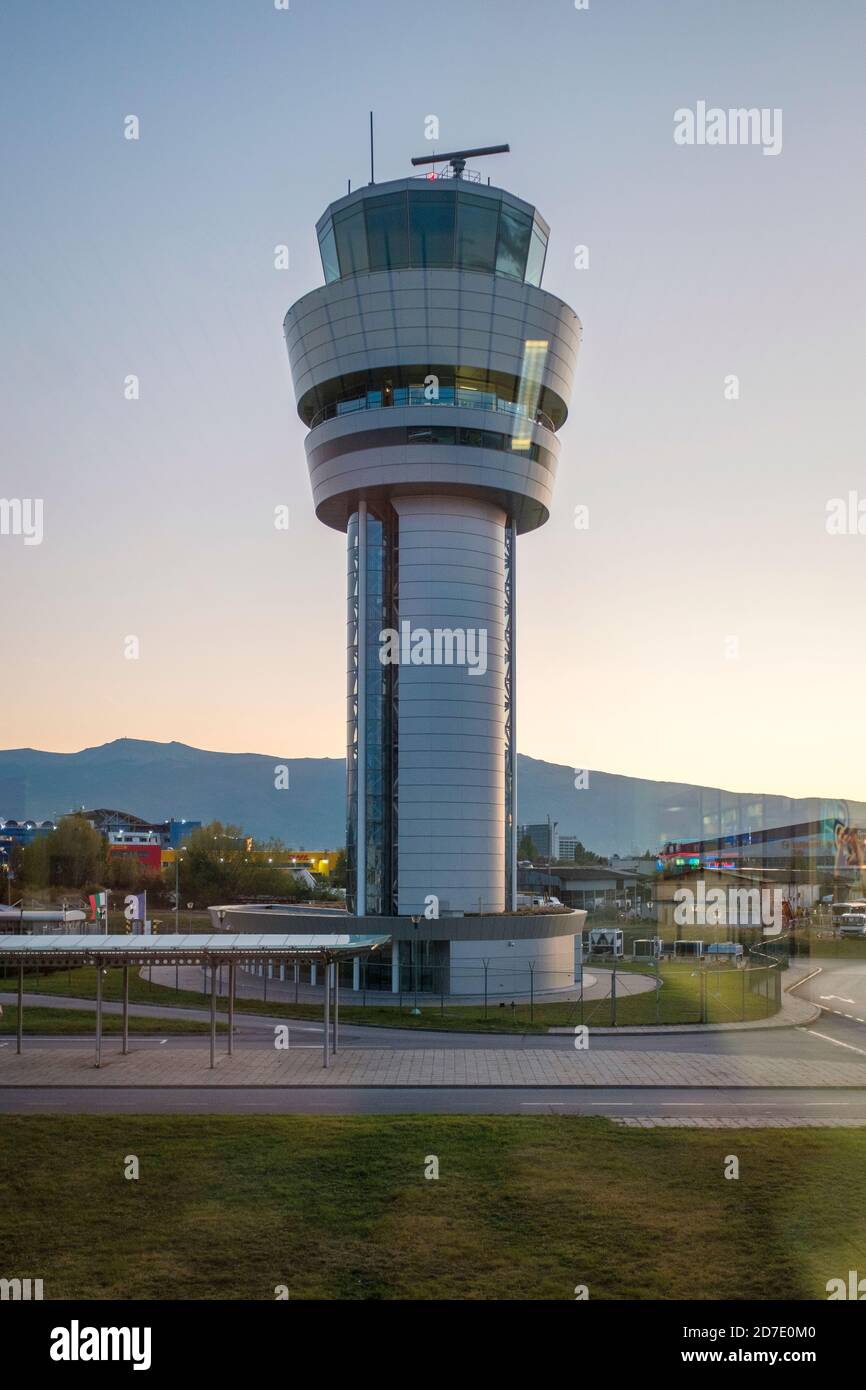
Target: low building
{"x":544,"y":837}
{"x":21,"y":833}
{"x":593,"y":887}
{"x":169,"y":833}
{"x":142,"y":845}
{"x":831,"y":851}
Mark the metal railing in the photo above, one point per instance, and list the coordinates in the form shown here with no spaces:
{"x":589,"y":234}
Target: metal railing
{"x":406,"y":396}
{"x":448,"y":175}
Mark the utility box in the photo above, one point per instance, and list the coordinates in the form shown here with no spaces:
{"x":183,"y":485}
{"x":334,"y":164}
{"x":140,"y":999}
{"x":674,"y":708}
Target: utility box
{"x":606,"y":941}
{"x":689,"y":949}
{"x":647,"y":948}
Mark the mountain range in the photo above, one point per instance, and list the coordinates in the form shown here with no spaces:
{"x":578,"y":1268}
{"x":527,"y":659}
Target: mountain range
{"x":613,"y":813}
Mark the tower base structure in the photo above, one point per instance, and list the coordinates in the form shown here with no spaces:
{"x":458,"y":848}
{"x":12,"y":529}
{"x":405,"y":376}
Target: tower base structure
{"x":501,"y":956}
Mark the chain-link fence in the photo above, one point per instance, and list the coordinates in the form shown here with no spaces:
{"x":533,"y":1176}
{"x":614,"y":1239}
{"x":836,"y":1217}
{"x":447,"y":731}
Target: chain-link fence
{"x":607,"y":993}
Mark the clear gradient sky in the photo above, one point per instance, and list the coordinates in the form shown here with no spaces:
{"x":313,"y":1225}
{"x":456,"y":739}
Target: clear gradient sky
{"x":155,"y":257}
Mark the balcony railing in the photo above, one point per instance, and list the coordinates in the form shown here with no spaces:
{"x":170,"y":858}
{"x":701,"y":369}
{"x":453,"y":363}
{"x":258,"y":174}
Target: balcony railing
{"x":403,"y":396}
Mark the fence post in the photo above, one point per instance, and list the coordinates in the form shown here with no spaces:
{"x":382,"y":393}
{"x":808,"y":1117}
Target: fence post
{"x":613,"y":996}
{"x":485,"y":963}
{"x":743,"y":1009}
{"x":531,"y":965}
{"x":658,"y":990}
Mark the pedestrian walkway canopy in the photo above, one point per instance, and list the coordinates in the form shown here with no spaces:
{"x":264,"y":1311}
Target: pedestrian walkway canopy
{"x":183,"y":949}
{"x":206,"y":950}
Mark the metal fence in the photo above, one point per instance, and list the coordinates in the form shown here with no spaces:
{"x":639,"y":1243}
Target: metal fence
{"x":608,"y":994}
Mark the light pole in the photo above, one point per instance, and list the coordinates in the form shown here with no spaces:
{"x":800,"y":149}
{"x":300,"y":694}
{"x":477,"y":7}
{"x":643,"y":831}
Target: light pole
{"x":178,"y":852}
{"x":551,"y":827}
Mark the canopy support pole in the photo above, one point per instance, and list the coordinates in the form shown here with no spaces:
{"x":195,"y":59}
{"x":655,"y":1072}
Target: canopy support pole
{"x":213,"y":984}
{"x":326,"y":981}
{"x":98,"y":1014}
{"x":336,"y":969}
{"x":125,"y":1010}
{"x":231,"y":1007}
{"x":20,"y":1026}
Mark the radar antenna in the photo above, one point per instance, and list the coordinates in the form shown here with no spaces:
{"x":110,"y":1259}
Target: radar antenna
{"x":457,"y":158}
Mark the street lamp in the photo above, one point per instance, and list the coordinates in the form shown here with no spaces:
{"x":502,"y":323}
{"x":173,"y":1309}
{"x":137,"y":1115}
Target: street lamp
{"x":178,"y":852}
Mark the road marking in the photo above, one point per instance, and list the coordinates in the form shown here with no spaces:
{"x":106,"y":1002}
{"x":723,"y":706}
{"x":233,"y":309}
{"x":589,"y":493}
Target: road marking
{"x":813,"y":1033}
{"x":542,"y":1105}
{"x":840,"y":997}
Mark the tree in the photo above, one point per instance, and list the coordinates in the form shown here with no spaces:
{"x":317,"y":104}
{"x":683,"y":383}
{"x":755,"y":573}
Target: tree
{"x":337,"y":876}
{"x":72,"y":856}
{"x":526,"y":849}
{"x":125,"y":873}
{"x":11,"y":870}
{"x":216,"y":867}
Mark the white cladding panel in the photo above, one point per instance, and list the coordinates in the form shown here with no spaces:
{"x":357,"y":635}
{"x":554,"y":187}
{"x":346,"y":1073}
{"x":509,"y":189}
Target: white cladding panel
{"x":451,"y":775}
{"x":389,"y":318}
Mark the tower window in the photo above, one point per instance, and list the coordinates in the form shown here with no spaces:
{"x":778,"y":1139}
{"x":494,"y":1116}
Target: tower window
{"x":387,"y":232}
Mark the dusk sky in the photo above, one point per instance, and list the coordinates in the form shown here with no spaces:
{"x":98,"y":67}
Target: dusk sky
{"x":706,"y":627}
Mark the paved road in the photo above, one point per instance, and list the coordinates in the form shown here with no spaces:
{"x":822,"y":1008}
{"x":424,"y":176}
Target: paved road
{"x":826,"y":1039}
{"x":840,"y":990}
{"x":713,"y":1103}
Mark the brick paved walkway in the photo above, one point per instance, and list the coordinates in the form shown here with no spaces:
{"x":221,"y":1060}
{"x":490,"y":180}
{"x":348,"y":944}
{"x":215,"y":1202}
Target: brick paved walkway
{"x":730,"y":1122}
{"x":167,"y":1066}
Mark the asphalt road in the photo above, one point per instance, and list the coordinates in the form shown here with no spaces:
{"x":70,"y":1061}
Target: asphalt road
{"x":840,"y":990}
{"x":713,"y":1103}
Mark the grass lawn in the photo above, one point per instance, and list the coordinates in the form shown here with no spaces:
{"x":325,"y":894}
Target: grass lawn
{"x":333,"y":1207}
{"x":844,"y":947}
{"x":729,"y":997}
{"x":69,"y":1022}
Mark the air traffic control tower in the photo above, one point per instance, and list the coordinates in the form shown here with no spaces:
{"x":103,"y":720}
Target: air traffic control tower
{"x":434,"y":374}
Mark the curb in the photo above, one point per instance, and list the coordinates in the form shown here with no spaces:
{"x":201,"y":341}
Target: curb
{"x":437,"y":1086}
